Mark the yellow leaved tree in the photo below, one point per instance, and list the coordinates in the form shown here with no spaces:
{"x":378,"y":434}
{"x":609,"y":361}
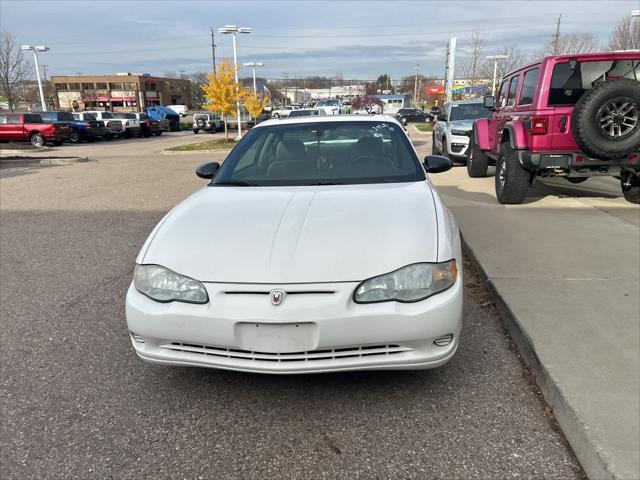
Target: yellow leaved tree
{"x":255,"y":103}
{"x":222,"y":92}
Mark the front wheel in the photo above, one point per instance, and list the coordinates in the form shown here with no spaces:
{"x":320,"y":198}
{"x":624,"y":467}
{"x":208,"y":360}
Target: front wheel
{"x":37,"y":140}
{"x":630,"y":183}
{"x":478,"y":162}
{"x":512,"y":181}
{"x":195,"y":131}
{"x":403,"y":120}
{"x":276,"y":115}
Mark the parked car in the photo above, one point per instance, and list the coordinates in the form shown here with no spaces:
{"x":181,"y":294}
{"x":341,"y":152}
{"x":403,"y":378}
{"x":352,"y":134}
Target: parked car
{"x":61,"y":118}
{"x":87,"y":127}
{"x":296,"y":289}
{"x":30,"y":127}
{"x":571,"y":116}
{"x":282,"y":111}
{"x":330,"y":106}
{"x":207,"y":122}
{"x":164,"y":114}
{"x":179,"y":109}
{"x":130,"y":123}
{"x":264,"y":116}
{"x":114,"y":127}
{"x":412,"y":115}
{"x":306,"y":112}
{"x":453,"y":127}
{"x":148,"y":126}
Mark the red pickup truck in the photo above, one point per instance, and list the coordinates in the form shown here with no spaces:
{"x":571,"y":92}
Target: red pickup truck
{"x":29,"y":127}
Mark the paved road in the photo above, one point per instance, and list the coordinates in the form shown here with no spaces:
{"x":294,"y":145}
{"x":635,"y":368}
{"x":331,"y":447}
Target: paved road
{"x":77,"y":403}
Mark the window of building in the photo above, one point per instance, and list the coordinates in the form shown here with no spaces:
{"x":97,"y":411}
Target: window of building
{"x":129,"y":86}
{"x":88,"y":86}
{"x":513,"y":88}
{"x":62,"y":86}
{"x":115,"y":85}
{"x":150,"y":86}
{"x":74,"y":86}
{"x":528,"y":87}
{"x":101,"y":86}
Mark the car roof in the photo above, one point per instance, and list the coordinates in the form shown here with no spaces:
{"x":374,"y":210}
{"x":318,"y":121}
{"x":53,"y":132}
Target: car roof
{"x":596,"y":56}
{"x":329,"y":119}
{"x":457,"y":102}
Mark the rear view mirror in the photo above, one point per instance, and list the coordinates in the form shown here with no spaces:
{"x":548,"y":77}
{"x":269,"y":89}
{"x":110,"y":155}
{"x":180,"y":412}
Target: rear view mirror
{"x":437,"y":164}
{"x":207,"y":170}
{"x":490,"y":102}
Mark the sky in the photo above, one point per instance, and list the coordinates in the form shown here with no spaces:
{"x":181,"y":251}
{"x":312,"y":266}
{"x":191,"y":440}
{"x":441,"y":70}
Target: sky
{"x":355,"y":39}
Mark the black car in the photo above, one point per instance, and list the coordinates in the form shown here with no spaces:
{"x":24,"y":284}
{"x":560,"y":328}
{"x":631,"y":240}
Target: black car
{"x":410,"y":115}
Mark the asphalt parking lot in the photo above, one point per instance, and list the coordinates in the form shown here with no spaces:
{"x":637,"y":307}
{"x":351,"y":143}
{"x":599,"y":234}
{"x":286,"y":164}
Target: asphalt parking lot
{"x":77,"y":403}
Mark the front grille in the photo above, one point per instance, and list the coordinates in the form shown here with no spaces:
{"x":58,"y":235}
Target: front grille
{"x":310,"y":356}
{"x":457,"y":147}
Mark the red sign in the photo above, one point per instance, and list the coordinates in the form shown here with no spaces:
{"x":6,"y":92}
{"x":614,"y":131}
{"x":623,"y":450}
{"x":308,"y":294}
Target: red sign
{"x":434,"y":90}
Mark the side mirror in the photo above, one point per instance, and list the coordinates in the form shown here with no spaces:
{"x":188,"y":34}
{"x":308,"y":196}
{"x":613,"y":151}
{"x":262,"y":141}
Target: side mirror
{"x":437,"y":164}
{"x":490,"y":102}
{"x":207,"y":170}
{"x":441,"y":118}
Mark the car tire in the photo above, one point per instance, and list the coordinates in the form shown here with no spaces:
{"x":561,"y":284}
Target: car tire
{"x":511,"y":180}
{"x":630,"y":187}
{"x":595,"y":107}
{"x":195,"y":131}
{"x":577,"y":179}
{"x":157,"y":134}
{"x":434,"y":150}
{"x":477,"y":162}
{"x":75,"y":137}
{"x":37,"y":140}
{"x":403,"y":120}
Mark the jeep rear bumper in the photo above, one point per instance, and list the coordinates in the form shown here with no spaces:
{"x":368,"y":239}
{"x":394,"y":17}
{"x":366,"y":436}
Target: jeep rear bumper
{"x":574,"y":164}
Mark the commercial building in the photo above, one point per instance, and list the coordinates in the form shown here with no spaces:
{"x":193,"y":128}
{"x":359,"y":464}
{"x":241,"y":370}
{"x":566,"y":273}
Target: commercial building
{"x":120,"y":92}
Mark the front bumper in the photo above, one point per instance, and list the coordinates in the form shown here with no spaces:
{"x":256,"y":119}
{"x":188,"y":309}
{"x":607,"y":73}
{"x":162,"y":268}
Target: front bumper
{"x":327,"y":331}
{"x":458,"y":146}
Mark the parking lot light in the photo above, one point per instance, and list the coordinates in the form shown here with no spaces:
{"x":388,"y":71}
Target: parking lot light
{"x":233,"y":30}
{"x":635,"y":13}
{"x":253,"y":66}
{"x":36,"y":49}
{"x":495,"y":59}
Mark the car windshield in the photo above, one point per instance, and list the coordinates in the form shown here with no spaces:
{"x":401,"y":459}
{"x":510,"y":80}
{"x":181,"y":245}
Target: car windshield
{"x":468,"y":111}
{"x":303,"y":113}
{"x":569,"y":84}
{"x":322,"y":153}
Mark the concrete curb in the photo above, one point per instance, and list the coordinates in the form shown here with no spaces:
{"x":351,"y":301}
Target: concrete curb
{"x":50,"y":161}
{"x":575,"y":431}
{"x":22,"y":152}
{"x":415,"y":130}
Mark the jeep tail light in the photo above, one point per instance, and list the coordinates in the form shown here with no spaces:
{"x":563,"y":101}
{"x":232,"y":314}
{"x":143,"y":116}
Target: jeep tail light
{"x":126,"y":124}
{"x":539,"y":125}
{"x":108,"y":125}
{"x":633,"y":158}
{"x":579,"y":158}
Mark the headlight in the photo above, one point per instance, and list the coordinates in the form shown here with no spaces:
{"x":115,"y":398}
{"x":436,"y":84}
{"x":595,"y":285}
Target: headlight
{"x":164,"y":285}
{"x":408,"y":284}
{"x":461,"y":133}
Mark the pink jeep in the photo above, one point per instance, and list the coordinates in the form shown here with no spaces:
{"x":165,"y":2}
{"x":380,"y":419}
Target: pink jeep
{"x":573,"y":116}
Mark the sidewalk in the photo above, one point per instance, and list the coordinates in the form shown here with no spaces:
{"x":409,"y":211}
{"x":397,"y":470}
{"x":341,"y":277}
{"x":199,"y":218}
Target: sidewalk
{"x":565,"y":268}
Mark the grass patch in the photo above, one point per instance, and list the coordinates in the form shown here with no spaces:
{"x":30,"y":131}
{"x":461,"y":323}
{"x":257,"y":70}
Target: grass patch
{"x":218,"y":144}
{"x":424,"y":127}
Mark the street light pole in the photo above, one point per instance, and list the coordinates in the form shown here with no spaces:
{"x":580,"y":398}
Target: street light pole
{"x":495,"y":59}
{"x":39,"y":48}
{"x":233,"y":30}
{"x":253,"y":65}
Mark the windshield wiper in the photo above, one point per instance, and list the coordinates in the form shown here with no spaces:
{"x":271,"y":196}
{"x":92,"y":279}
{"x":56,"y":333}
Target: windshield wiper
{"x":236,"y":183}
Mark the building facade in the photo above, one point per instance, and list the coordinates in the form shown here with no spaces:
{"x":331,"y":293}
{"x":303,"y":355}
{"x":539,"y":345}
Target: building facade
{"x":119,"y":92}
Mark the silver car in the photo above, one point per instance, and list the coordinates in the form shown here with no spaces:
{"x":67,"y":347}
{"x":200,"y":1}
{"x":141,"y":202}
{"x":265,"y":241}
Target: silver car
{"x":453,"y":127}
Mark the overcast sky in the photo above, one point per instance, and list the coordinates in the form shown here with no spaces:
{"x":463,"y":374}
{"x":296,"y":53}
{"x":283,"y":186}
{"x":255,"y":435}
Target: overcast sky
{"x":357,"y":39}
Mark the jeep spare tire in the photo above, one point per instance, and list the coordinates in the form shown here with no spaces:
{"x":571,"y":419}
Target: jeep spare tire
{"x":606,"y":120}
{"x":200,"y":123}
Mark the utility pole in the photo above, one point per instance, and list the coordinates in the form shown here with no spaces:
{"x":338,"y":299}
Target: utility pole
{"x":556,"y":37}
{"x":213,"y":50}
{"x":450,"y":66}
{"x":415,"y":87}
{"x":286,"y":77}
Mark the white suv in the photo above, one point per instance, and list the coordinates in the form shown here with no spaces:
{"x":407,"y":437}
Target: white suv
{"x":453,"y":127}
{"x":207,"y":122}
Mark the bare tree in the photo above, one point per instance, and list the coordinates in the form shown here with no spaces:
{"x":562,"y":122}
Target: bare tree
{"x":626,"y":35}
{"x":14,"y":68}
{"x":571,"y":43}
{"x":471,"y":65}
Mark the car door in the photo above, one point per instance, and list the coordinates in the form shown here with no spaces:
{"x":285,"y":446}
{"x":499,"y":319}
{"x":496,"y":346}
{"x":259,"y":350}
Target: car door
{"x":11,"y":129}
{"x":497,"y":120}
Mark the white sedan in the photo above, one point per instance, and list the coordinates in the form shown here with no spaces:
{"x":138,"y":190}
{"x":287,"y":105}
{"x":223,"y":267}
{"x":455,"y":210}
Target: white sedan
{"x":319,"y":245}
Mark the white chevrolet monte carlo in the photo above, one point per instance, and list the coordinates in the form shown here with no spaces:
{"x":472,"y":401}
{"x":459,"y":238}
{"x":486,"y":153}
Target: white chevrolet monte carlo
{"x":319,"y":245}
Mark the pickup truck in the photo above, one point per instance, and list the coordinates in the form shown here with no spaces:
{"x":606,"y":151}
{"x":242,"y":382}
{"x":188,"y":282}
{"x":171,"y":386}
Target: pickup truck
{"x":88,"y":128}
{"x":130,"y":123}
{"x":81,"y":130}
{"x":30,"y":127}
{"x":148,"y":126}
{"x":114,"y":126}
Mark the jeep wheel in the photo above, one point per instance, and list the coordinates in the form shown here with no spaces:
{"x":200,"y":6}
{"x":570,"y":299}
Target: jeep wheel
{"x":606,"y":119}
{"x":630,"y":183}
{"x":37,"y":140}
{"x":478,"y":162}
{"x":512,"y":181}
{"x":195,"y":130}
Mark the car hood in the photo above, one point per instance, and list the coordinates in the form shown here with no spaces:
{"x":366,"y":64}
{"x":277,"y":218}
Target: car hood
{"x":461,"y":124}
{"x":296,"y":234}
